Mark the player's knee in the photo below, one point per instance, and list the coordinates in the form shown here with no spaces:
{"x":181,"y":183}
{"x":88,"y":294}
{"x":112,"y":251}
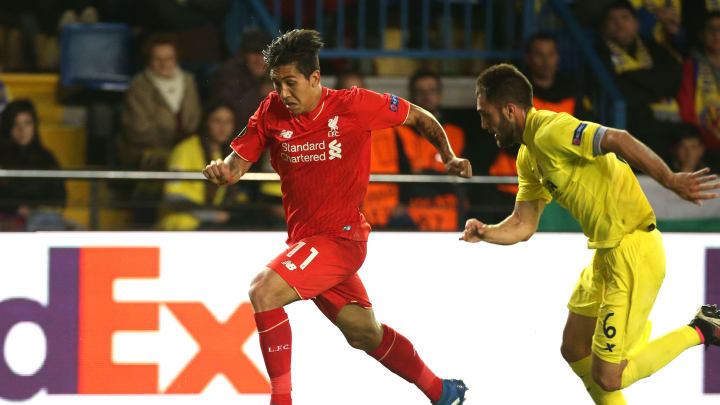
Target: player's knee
{"x":363,"y":337}
{"x":366,"y":340}
{"x":261,"y":296}
{"x":255,"y":294}
{"x":573,"y":351}
{"x":607,"y":382}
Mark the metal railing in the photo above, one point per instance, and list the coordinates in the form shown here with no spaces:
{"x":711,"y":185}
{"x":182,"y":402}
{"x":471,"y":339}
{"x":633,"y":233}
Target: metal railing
{"x":139,"y":175}
{"x":97,"y":176}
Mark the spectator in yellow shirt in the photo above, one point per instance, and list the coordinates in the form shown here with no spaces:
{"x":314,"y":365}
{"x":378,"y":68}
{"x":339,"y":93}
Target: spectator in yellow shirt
{"x":198,"y":204}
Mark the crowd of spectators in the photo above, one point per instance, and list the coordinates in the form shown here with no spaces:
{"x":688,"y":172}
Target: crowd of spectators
{"x":664,"y":58}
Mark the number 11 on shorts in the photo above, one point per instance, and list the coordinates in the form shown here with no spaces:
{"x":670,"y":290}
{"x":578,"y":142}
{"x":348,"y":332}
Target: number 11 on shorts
{"x":310,"y":258}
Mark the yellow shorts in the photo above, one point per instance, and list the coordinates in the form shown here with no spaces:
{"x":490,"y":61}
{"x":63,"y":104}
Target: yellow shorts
{"x":619,"y":289}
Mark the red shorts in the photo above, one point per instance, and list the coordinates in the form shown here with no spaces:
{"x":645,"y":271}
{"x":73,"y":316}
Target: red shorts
{"x":324,"y":269}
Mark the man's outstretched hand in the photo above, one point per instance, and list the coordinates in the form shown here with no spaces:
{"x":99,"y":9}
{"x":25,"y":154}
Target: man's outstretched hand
{"x":693,"y":186}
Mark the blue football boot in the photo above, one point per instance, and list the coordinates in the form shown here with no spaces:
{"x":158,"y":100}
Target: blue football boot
{"x":453,"y":393}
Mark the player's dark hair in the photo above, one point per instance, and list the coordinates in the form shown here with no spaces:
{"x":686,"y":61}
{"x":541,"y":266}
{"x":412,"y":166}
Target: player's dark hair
{"x":538,"y":36}
{"x":502,"y":84}
{"x":421,"y":74}
{"x":298,"y":47}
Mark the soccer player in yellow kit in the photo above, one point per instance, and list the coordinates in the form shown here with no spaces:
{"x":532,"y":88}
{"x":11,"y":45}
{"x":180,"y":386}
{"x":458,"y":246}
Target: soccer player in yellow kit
{"x":582,"y":165}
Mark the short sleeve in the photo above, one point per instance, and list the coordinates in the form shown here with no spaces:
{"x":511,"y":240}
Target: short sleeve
{"x":531,"y":187}
{"x":569,"y":137}
{"x":379,"y":111}
{"x":250,"y":143}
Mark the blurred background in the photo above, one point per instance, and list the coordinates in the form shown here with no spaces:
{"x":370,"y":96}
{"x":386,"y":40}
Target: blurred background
{"x":119,"y":97}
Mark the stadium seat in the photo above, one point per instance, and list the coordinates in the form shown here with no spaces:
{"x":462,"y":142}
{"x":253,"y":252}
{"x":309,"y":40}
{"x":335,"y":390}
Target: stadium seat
{"x":95,"y":56}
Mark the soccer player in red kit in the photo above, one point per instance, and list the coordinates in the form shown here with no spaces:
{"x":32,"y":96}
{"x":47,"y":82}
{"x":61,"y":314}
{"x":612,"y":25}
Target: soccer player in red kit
{"x":319,"y":141}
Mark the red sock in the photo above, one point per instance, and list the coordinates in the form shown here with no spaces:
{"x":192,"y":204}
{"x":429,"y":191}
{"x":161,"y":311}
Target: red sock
{"x":399,"y":356}
{"x":276,"y":345}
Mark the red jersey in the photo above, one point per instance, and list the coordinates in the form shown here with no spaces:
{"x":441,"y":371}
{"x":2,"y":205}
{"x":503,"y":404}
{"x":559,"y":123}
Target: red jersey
{"x":322,"y":157}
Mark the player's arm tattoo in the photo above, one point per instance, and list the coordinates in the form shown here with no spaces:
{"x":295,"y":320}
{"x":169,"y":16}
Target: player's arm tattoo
{"x":238,"y":166}
{"x":429,"y":128}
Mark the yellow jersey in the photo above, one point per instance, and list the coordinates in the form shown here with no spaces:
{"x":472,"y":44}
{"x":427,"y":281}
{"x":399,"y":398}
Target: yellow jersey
{"x":560,"y":158}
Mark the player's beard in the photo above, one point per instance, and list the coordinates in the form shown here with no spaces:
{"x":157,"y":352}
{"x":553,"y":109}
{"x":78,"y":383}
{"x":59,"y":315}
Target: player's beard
{"x":505,"y":134}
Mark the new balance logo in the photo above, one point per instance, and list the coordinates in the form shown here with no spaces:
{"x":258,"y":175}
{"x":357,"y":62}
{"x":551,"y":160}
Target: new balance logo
{"x":290,"y":265}
{"x":335,"y":149}
{"x":333,"y":125}
{"x":286,"y":134}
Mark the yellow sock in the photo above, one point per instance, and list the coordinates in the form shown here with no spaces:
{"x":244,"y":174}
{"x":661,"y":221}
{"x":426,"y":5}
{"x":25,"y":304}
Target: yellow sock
{"x":599,"y":396}
{"x":659,"y":353}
